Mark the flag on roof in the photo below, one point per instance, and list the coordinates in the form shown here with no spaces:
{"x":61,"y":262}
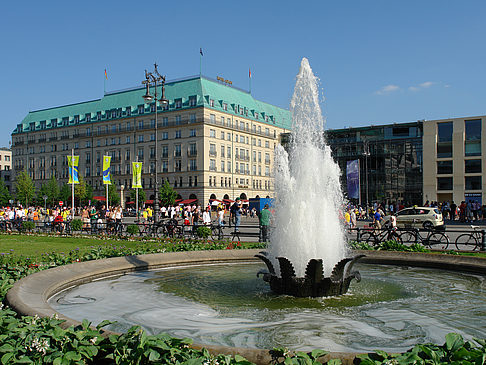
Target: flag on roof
{"x":201,"y":52}
{"x":249,"y":73}
{"x":106,"y":75}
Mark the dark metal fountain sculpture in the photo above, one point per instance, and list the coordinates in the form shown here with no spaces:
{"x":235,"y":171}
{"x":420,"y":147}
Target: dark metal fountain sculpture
{"x":313,"y":284}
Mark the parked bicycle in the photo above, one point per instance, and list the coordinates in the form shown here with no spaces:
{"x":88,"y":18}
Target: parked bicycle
{"x":471,"y":240}
{"x":428,"y":238}
{"x":374,"y":237}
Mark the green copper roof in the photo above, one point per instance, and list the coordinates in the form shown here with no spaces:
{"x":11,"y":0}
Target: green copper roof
{"x":208,"y":93}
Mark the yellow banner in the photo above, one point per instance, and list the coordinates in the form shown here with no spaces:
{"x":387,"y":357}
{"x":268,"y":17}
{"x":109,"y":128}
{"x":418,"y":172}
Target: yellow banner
{"x":73,"y":162}
{"x":106,"y":170}
{"x":137,"y":175}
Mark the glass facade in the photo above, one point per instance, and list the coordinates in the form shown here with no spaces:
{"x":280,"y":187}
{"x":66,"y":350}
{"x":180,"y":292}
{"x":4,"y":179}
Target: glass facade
{"x":473,"y":182}
{"x":444,"y":183}
{"x":390,"y":157}
{"x":472,"y":141}
{"x":444,"y":139}
{"x":444,"y":167}
{"x":472,"y":166}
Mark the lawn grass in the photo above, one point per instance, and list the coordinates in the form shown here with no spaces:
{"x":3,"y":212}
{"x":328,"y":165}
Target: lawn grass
{"x":35,"y":245}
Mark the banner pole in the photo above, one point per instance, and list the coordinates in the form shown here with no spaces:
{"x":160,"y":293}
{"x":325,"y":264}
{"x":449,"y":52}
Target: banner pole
{"x":72,"y":182}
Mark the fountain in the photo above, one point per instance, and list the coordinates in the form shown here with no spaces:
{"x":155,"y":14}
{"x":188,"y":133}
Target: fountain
{"x":308,"y":232}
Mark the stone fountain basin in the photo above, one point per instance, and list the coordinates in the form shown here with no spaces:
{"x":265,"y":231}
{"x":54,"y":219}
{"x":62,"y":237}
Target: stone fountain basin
{"x":29,"y":296}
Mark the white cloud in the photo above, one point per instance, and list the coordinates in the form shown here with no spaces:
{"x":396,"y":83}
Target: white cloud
{"x":387,"y":89}
{"x":423,"y":85}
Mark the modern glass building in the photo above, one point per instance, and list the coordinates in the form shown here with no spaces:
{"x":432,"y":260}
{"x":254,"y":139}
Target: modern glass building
{"x":390,"y":159}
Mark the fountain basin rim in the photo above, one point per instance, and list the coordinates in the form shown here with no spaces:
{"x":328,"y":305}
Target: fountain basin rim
{"x":29,"y":295}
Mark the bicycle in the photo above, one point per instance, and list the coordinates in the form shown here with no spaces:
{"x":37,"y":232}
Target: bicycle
{"x":433,"y":238}
{"x":373,"y":238}
{"x":216,"y":231}
{"x":470,"y":239}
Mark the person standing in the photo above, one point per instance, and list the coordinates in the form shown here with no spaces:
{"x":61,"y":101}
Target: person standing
{"x":236,"y":212}
{"x":265,"y":217}
{"x":207,"y":217}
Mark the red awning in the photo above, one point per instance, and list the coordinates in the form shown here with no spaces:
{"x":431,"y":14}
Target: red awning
{"x":149,"y":201}
{"x":215,"y":200}
{"x":187,"y":201}
{"x":228,"y":201}
{"x":130,"y":203}
{"x":100,"y":198}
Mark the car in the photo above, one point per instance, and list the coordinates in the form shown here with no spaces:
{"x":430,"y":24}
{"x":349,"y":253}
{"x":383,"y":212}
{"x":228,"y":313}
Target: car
{"x":418,"y":217}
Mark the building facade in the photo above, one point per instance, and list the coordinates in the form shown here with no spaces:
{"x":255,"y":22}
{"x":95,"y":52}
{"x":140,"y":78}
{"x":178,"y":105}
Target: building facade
{"x":390,"y":159}
{"x":6,"y":166}
{"x":214,"y":140}
{"x":454,"y":168}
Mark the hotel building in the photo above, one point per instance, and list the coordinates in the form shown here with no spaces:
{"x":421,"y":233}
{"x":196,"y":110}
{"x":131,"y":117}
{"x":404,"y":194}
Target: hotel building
{"x":215,"y":141}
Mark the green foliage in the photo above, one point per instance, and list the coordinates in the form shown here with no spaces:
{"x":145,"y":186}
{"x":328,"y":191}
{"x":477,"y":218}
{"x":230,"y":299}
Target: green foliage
{"x":76,"y":224}
{"x":133,"y":229}
{"x":142,"y":197}
{"x":82,"y":192}
{"x":391,"y":245}
{"x":167,"y":194}
{"x":203,"y":231}
{"x":113,"y":195}
{"x":4,"y":194}
{"x":24,"y":188}
{"x":28,"y":226}
{"x":65,"y":194}
{"x":51,"y":190}
{"x":454,"y":351}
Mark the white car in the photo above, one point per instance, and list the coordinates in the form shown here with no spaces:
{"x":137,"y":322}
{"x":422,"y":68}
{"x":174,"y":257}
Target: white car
{"x":418,"y":217}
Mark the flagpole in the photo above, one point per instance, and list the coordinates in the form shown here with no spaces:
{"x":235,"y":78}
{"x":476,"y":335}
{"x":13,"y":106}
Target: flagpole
{"x":136,"y":195}
{"x":200,"y":64}
{"x":72,"y":180}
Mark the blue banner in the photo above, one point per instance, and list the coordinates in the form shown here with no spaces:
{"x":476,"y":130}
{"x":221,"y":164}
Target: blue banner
{"x":352,"y":178}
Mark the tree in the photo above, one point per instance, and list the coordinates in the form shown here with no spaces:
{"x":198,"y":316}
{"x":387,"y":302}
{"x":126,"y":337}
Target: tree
{"x":51,"y":190}
{"x":141,"y":196}
{"x":113,"y":195}
{"x":83,"y":191}
{"x":24,"y":188}
{"x":4,"y":194}
{"x":65,"y":193}
{"x":167,"y":194}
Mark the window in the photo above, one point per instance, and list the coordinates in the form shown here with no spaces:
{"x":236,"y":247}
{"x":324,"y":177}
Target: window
{"x":178,"y":134}
{"x":140,"y":124}
{"x":87,"y":117}
{"x":192,"y":118}
{"x":473,"y":137}
{"x":140,"y":154}
{"x":212,"y":133}
{"x":228,"y":164}
{"x":192,"y":100}
{"x":177,"y":150}
{"x":472,"y":166}
{"x":229,"y":151}
{"x":222,"y":121}
{"x":127,"y":139}
{"x":259,"y":143}
{"x":192,"y":133}
{"x":152,"y":152}
{"x":192,"y":165}
{"x":444,"y":140}
{"x":178,"y":103}
{"x":212,"y":118}
{"x":165,"y":166}
{"x":242,"y":139}
{"x":211,"y":103}
{"x":127,"y":155}
{"x":178,"y":165}
{"x":444,"y":167}
{"x":212,"y":165}
{"x":473,"y":182}
{"x":141,"y":109}
{"x":152,"y":123}
{"x":225,"y":106}
{"x":228,"y":136}
{"x":165,"y":135}
{"x":165,"y":151}
{"x":165,"y":121}
{"x":152,"y":136}
{"x":178,"y":120}
{"x":129,"y":111}
{"x":140,"y":138}
{"x":267,"y":144}
{"x":212,"y":149}
{"x":444,"y":183}
{"x":192,"y":149}
{"x":222,"y":151}
{"x":222,"y":135}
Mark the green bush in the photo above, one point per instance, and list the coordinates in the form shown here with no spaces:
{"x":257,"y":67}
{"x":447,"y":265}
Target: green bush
{"x":203,"y":232}
{"x":76,"y":224}
{"x":28,"y":226}
{"x":133,"y":229}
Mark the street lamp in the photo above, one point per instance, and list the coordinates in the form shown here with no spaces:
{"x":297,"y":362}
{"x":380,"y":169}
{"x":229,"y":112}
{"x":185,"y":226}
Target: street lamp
{"x":366,"y":152}
{"x":45,"y":201}
{"x":154,"y":79}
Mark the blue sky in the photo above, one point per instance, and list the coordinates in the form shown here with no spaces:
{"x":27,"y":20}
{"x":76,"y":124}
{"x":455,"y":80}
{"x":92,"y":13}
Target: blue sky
{"x":378,"y":61}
